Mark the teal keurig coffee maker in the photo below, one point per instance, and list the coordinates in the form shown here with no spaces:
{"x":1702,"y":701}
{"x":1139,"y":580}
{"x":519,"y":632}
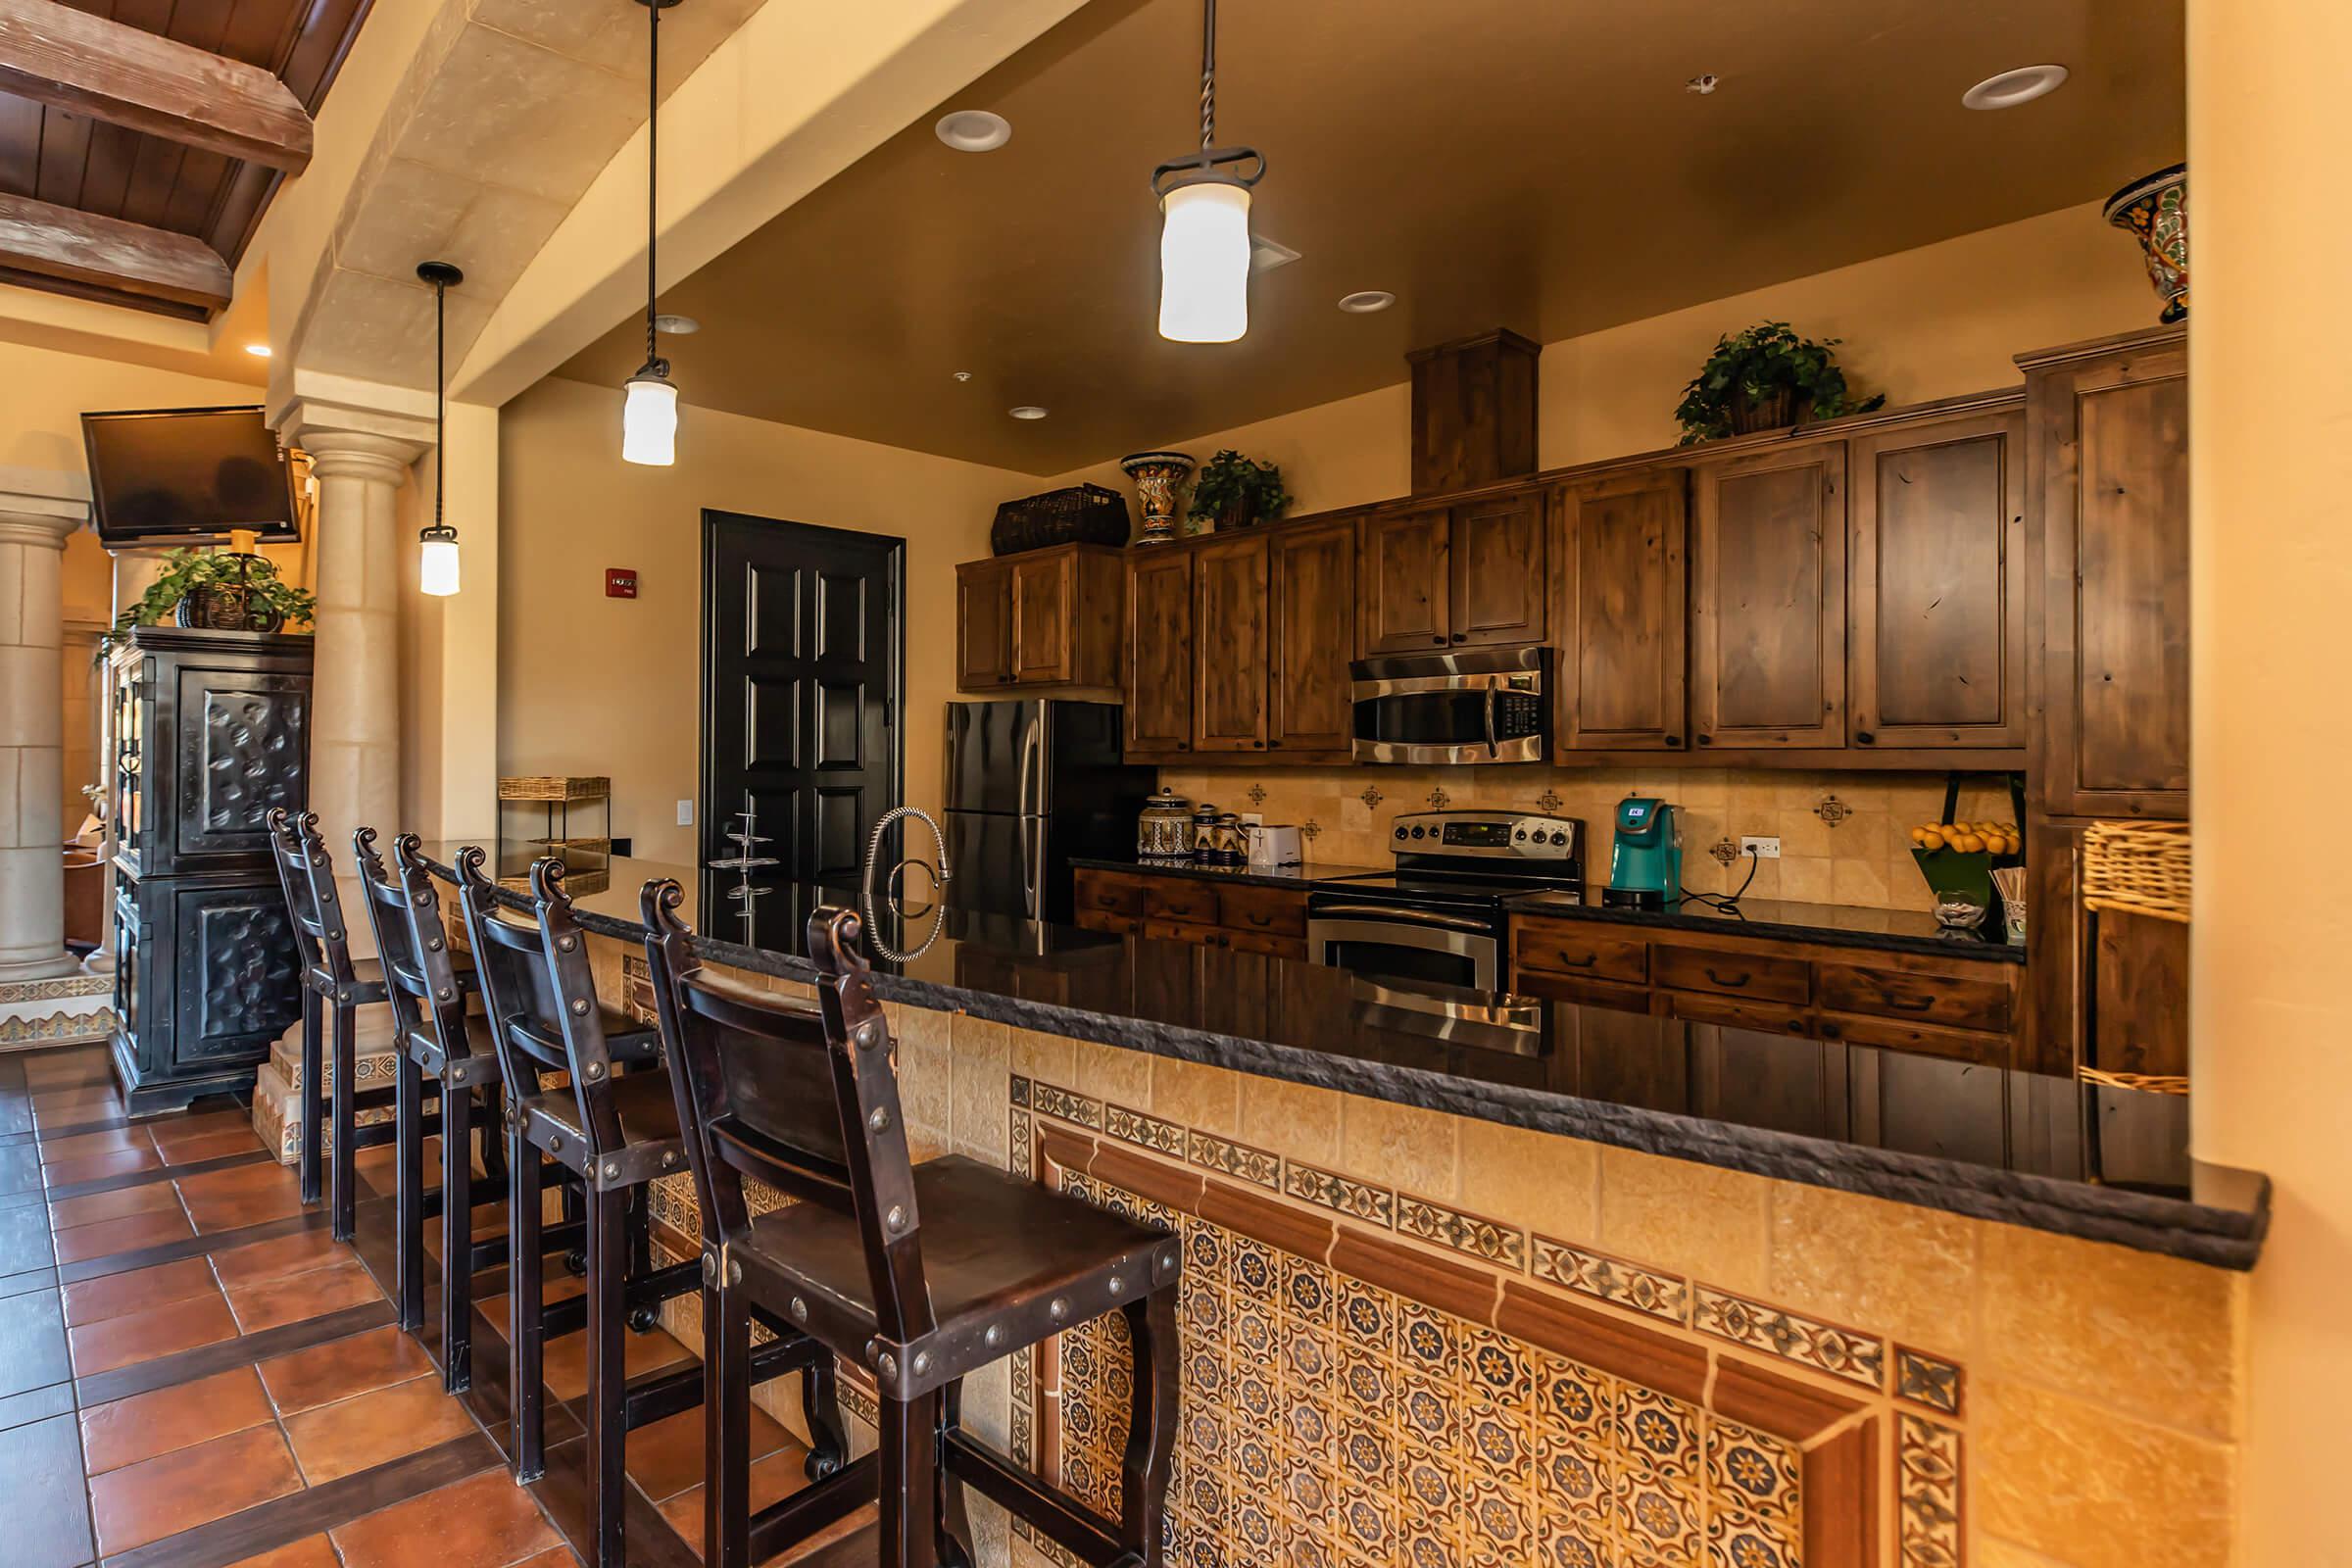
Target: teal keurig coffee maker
{"x":1645,"y":863}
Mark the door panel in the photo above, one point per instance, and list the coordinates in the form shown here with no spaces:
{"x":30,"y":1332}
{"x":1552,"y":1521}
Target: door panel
{"x":1497,"y":572}
{"x":1768,"y":599}
{"x":1158,"y":665}
{"x":1407,"y":600}
{"x":983,"y":625}
{"x":1041,"y":618}
{"x":1229,"y":611}
{"x":1624,"y":597}
{"x":1937,"y":579}
{"x":1315,"y":616}
{"x":800,"y":680}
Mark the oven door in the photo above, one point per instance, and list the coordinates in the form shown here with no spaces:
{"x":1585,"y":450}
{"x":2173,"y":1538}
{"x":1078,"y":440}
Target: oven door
{"x":1387,"y":942}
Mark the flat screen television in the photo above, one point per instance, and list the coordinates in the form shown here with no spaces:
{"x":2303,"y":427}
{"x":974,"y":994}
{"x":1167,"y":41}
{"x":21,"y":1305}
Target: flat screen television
{"x":186,"y":476}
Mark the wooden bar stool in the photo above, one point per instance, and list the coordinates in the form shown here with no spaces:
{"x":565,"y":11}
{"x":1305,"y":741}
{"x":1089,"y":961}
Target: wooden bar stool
{"x":924,"y":1274}
{"x":434,"y":1038}
{"x":334,"y":985}
{"x":610,"y":1131}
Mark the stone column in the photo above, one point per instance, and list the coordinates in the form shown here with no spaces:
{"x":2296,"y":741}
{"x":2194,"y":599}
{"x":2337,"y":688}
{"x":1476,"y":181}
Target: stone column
{"x":360,"y":459}
{"x":33,"y":920}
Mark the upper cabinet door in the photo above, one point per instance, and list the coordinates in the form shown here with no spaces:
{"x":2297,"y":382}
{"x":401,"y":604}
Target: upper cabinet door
{"x":1623,"y":595}
{"x":1407,"y":596}
{"x":1498,"y":572}
{"x":1312,"y":634}
{"x":2111,"y":472}
{"x":1768,"y":599}
{"x":1159,"y":662}
{"x":1042,"y":594}
{"x":983,"y":625}
{"x":1228,"y":623}
{"x":1938,"y":581}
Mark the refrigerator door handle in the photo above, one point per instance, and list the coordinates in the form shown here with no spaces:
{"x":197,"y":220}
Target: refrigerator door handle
{"x":1033,"y":868}
{"x":1032,"y":743}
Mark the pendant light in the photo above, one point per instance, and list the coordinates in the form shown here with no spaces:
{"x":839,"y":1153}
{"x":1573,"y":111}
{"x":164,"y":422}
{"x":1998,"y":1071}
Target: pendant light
{"x":648,"y":420}
{"x":1204,"y":225}
{"x":437,"y":569}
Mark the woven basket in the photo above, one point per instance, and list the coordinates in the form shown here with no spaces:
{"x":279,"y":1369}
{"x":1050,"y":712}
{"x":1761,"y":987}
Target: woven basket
{"x":540,"y":788}
{"x":2146,"y":1083}
{"x":2137,"y":868}
{"x":1079,"y":514}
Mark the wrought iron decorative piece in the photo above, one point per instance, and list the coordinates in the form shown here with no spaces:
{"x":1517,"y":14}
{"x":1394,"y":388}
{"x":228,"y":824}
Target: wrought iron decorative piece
{"x":1833,"y":811}
{"x":1550,"y":799}
{"x":1308,"y":829}
{"x":1724,"y":851}
{"x":1371,"y":796}
{"x":1439,"y":800}
{"x":1257,"y":793}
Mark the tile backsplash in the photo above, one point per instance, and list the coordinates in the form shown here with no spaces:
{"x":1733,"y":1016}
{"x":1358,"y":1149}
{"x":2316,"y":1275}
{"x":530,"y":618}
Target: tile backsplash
{"x":1860,"y":854}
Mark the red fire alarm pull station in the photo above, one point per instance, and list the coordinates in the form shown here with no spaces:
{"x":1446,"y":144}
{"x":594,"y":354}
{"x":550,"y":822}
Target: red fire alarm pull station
{"x":621,"y":582}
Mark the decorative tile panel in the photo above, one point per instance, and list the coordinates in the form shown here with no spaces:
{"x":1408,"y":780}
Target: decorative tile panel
{"x":1466,"y":1232}
{"x":1927,"y":1465}
{"x":1612,"y":1280}
{"x":1239,"y":1160}
{"x":1343,"y":1194}
{"x":1048,"y":1100}
{"x":1927,"y":1379}
{"x":1841,"y":1353}
{"x":1134,"y":1127}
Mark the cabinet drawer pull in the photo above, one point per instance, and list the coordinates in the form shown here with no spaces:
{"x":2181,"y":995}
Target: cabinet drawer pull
{"x":1259,"y":920}
{"x":1587,"y":961}
{"x":1739,"y":979}
{"x":1911,"y":1004}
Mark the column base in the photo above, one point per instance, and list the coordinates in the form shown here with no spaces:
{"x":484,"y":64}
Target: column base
{"x":55,"y":1011}
{"x":48,"y":966}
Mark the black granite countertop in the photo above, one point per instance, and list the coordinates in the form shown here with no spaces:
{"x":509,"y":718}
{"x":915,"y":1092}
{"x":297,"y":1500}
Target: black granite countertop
{"x":2022,"y":1147}
{"x":1844,"y":924}
{"x":1256,"y":876}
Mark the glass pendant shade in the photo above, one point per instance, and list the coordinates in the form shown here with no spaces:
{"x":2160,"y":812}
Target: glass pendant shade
{"x":438,"y":576}
{"x":1204,"y":263}
{"x":649,"y":423}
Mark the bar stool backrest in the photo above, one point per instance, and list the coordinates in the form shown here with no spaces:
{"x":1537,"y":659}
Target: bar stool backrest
{"x":293,"y":880}
{"x":802,"y":1099}
{"x":540,"y":992}
{"x":406,"y":911}
{"x":313,"y":871}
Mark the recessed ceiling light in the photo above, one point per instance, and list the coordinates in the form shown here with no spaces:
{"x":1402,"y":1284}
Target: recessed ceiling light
{"x":973,"y":130}
{"x":678,"y":326}
{"x":260,"y":351}
{"x":963,"y":375}
{"x":1705,"y":82}
{"x":1027,"y":411}
{"x":1364,"y":301}
{"x":2013,"y":88}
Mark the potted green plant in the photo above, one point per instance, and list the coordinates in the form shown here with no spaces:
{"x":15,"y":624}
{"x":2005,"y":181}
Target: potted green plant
{"x":218,"y":591}
{"x":1763,"y":379}
{"x":1232,"y":492}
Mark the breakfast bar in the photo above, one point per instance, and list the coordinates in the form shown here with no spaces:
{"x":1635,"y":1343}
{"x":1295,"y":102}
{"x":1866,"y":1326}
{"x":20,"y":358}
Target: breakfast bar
{"x":1596,"y":1274}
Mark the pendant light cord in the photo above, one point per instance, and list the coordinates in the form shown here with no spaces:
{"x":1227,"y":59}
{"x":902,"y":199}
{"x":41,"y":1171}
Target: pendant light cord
{"x":652,"y":167}
{"x":440,"y":391}
{"x":1209,"y":73}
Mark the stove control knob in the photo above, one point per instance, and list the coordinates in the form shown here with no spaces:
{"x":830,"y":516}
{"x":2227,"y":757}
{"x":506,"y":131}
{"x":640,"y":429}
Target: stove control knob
{"x":1401,"y":832}
{"x":1559,"y":838}
{"x":1521,"y":835}
{"x":1419,"y":832}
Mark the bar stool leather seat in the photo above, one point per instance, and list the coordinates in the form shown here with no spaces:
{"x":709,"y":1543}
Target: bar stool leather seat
{"x":648,"y":1112}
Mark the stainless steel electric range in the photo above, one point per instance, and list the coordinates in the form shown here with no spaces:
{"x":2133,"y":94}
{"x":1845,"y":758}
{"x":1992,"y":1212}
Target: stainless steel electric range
{"x":1438,"y":916}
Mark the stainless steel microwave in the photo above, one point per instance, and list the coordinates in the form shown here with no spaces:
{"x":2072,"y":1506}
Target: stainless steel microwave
{"x":1485,"y":705}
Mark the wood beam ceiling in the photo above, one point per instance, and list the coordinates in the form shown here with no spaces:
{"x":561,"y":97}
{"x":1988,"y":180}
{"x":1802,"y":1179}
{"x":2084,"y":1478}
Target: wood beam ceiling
{"x":56,"y":55}
{"x":57,"y":242}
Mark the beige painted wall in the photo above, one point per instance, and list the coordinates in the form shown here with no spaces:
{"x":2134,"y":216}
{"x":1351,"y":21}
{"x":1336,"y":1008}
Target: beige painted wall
{"x":2270,"y":574}
{"x":594,"y":685}
{"x":1923,"y":323}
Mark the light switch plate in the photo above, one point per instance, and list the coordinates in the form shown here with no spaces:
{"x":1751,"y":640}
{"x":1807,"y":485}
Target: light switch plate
{"x":686,"y":815}
{"x":1762,"y":849}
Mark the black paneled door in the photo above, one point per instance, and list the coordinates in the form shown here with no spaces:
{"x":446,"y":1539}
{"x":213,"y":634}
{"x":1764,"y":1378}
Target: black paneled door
{"x":802,"y":691}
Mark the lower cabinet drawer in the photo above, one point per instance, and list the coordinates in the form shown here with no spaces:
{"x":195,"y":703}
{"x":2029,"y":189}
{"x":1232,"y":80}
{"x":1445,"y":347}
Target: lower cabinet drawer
{"x":1921,"y":1038}
{"x":1201,"y":936}
{"x":1731,"y":974}
{"x":1107,"y":893}
{"x":1573,"y":988}
{"x":1275,"y":910}
{"x":1125,"y":925}
{"x":1733,"y":1014}
{"x":1961,"y":1002}
{"x":1259,"y":942}
{"x":1563,"y":949}
{"x":1180,"y":898}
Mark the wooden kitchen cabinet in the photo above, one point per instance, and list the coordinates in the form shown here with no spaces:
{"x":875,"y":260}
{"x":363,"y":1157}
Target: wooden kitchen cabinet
{"x":1230,"y":599}
{"x":2108,"y":450}
{"x":1170,"y":906}
{"x":1937,"y":584}
{"x":1407,"y":591}
{"x":1312,"y":631}
{"x":1465,"y":576}
{"x":1044,"y":617}
{"x":1159,"y":710}
{"x":1768,"y":598}
{"x":1621,"y":598}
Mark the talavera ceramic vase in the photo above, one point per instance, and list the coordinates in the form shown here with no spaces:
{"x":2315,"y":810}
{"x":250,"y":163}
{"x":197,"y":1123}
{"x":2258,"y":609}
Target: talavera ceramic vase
{"x":1158,"y":480}
{"x":2155,"y":210}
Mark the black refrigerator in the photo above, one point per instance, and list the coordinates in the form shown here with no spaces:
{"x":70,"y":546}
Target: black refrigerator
{"x":1032,"y":783}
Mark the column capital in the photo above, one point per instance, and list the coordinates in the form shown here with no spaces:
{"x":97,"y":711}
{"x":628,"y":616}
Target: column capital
{"x":40,"y":507}
{"x":356,"y":429}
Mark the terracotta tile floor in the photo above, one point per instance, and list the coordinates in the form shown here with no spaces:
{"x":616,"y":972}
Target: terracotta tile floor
{"x":328,"y":1444}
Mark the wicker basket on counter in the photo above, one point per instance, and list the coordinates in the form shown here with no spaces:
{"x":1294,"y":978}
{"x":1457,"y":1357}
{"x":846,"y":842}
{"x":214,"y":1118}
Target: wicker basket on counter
{"x":560,"y":787}
{"x":2136,"y":869}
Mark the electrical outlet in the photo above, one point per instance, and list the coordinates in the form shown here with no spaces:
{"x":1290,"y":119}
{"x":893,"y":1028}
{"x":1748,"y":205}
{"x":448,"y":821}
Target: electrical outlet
{"x":686,"y":814}
{"x":1761,"y":848}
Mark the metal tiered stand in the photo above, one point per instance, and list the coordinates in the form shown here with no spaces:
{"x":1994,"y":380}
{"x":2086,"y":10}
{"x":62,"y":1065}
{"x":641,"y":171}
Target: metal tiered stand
{"x":743,"y":863}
